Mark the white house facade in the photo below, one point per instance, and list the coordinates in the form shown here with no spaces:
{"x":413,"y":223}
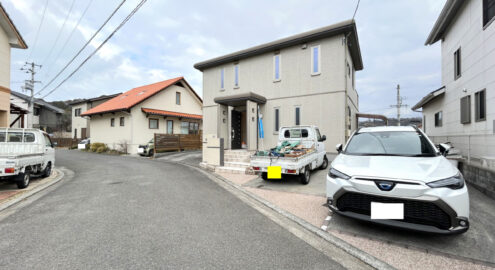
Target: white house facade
{"x":462,"y":111}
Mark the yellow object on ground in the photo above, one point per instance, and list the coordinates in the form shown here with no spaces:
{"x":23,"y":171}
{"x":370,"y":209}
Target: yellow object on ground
{"x":274,"y":172}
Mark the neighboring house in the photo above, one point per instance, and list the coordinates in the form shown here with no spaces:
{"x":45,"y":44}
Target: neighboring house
{"x":133,"y":117}
{"x":45,"y":115}
{"x":9,"y":38}
{"x":80,"y":124}
{"x":460,"y":110}
{"x":305,"y":79}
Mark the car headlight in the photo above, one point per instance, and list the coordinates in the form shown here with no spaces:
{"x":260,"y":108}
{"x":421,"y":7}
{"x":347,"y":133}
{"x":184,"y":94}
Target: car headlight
{"x":454,"y":182}
{"x":336,"y":174}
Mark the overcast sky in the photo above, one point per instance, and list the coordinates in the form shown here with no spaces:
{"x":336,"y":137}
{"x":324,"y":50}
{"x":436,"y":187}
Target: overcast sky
{"x":166,"y":38}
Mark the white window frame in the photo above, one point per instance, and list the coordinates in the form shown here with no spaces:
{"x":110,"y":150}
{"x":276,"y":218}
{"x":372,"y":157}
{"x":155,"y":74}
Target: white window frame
{"x":222,"y":79}
{"x":275,"y":79}
{"x":237,"y":78}
{"x":313,"y":58}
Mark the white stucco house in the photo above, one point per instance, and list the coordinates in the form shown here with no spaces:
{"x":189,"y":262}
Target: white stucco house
{"x":461,"y":111}
{"x":133,"y":117}
{"x":304,"y":79}
{"x":80,"y":128}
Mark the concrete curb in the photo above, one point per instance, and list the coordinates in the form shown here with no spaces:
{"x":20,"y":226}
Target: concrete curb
{"x":25,"y":195}
{"x":357,"y":253}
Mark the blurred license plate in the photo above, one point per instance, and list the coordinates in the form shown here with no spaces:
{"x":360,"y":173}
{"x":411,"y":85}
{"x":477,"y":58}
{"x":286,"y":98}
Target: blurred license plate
{"x":387,"y":210}
{"x":140,"y":150}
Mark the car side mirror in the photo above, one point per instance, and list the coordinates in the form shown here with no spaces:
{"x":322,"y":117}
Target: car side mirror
{"x":323,"y":138}
{"x":338,"y":147}
{"x":444,"y":149}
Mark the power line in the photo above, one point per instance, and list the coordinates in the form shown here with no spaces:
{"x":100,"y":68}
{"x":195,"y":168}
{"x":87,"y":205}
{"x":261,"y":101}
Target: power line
{"x":99,"y":47}
{"x":83,"y":47}
{"x":38,"y":31}
{"x":50,"y":66}
{"x":59,"y":32}
{"x":357,"y":6}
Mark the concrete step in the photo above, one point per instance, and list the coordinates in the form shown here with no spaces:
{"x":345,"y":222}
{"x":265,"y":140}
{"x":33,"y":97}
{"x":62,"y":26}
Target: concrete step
{"x":237,"y":164}
{"x":245,"y":160}
{"x":235,"y":170}
{"x":230,"y":155}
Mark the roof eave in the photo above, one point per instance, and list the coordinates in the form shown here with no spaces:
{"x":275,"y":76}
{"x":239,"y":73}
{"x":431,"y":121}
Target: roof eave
{"x":21,"y":43}
{"x":426,"y":99}
{"x":444,"y":20}
{"x":348,"y":26}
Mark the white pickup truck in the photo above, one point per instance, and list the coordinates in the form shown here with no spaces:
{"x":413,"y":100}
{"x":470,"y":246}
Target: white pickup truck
{"x":312,"y":156}
{"x":25,"y":152}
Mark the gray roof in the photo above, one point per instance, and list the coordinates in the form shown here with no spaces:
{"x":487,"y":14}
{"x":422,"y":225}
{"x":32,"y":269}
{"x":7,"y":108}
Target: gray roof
{"x":432,"y":95}
{"x":344,"y":27}
{"x":38,"y":101}
{"x":84,"y":100}
{"x":446,"y":17}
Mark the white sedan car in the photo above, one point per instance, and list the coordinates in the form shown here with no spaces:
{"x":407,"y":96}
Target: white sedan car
{"x":396,"y":176}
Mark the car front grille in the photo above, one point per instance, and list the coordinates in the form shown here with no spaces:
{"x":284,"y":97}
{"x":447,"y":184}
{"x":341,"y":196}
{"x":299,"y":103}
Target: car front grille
{"x":417,"y":212}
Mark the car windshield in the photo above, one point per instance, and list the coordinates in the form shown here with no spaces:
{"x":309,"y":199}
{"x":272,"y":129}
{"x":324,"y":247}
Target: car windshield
{"x":390,"y":143}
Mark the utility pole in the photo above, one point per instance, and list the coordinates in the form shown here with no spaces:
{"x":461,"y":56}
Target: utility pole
{"x":29,"y":86}
{"x":398,"y":105}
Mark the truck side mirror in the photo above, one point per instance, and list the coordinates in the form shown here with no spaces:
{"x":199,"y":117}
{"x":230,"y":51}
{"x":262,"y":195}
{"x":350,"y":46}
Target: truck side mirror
{"x":323,"y":138}
{"x":444,"y":149}
{"x":338,"y":147}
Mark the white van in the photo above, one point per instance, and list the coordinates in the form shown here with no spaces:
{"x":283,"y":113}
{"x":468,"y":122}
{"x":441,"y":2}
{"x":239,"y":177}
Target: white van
{"x":25,"y":152}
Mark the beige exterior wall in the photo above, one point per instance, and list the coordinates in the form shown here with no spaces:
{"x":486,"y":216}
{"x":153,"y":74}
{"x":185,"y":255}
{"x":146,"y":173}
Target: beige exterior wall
{"x":477,"y":73}
{"x":136,"y":129}
{"x":79,"y":122}
{"x":321,"y":98}
{"x":4,"y":79}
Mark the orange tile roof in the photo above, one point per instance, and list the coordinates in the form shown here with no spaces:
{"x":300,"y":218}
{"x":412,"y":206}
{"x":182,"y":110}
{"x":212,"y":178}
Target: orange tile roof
{"x":169,"y":113}
{"x":129,"y":99}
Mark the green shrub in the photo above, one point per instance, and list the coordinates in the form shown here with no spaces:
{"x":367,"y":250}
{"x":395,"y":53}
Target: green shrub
{"x":101,"y":149}
{"x":94,"y":147}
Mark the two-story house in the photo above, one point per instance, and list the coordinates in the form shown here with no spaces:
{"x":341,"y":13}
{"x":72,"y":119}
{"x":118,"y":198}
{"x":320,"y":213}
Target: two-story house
{"x":132,"y":118}
{"x":9,"y":38}
{"x":45,"y":115}
{"x":80,"y":125}
{"x":461,"y":110}
{"x":305,"y":79}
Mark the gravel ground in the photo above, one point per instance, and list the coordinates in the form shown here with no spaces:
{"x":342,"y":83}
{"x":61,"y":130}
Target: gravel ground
{"x":406,"y":258}
{"x":309,"y":208}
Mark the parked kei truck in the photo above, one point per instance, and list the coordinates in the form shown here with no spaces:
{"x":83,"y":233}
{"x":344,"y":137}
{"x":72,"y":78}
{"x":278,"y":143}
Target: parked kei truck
{"x":300,"y":149}
{"x":23,"y":153}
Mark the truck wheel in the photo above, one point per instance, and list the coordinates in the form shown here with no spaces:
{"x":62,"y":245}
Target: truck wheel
{"x":264,"y":176}
{"x":151,"y":152}
{"x":305,"y":176}
{"x":23,"y":180}
{"x":324,"y":165}
{"x":48,"y":170}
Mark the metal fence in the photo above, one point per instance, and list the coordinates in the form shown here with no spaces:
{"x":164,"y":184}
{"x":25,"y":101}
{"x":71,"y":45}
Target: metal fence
{"x":477,"y":147}
{"x":177,"y":142}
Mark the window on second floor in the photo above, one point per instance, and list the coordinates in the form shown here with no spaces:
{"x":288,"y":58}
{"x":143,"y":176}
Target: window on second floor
{"x":276,"y":68}
{"x":480,"y":106}
{"x":36,"y":111}
{"x":466,"y":110}
{"x":122,"y":121}
{"x":438,"y":119}
{"x":236,"y":75}
{"x":457,"y":64}
{"x":77,"y":112}
{"x":112,"y":122}
{"x":315,"y":60}
{"x":488,"y":11}
{"x":222,"y":77}
{"x":177,"y":98}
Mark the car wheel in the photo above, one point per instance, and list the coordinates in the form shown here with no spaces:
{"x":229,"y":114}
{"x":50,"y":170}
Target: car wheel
{"x":151,"y":152}
{"x":23,"y":180}
{"x":305,"y":176}
{"x":324,"y":165}
{"x":264,"y":176}
{"x":48,"y":170}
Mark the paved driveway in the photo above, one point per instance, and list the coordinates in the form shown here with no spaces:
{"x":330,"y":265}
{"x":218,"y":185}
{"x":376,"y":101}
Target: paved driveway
{"x":122,"y":212}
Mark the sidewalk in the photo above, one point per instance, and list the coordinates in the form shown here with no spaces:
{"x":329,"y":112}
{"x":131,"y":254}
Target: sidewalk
{"x":311,"y":208}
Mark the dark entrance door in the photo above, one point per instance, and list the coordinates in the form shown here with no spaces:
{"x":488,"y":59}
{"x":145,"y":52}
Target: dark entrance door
{"x":83,"y":133}
{"x":236,"y":130}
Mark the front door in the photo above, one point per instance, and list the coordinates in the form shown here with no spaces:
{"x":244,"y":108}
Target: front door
{"x":83,"y":133}
{"x":236,"y":130}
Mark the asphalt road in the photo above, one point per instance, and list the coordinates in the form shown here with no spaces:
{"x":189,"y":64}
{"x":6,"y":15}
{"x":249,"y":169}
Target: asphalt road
{"x":121,"y":212}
